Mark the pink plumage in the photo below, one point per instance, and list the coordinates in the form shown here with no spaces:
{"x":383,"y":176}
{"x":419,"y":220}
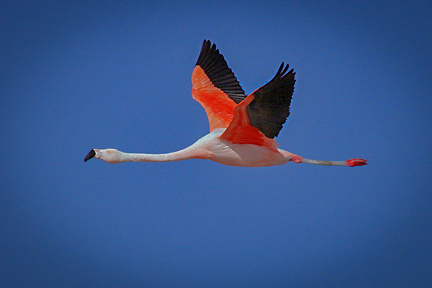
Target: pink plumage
{"x":242,"y":127}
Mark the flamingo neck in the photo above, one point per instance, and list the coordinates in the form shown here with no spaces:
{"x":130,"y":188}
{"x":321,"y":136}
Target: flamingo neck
{"x":184,"y":154}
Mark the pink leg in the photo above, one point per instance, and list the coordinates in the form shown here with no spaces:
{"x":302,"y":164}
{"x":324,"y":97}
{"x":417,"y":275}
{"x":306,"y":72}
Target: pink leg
{"x":298,"y":159}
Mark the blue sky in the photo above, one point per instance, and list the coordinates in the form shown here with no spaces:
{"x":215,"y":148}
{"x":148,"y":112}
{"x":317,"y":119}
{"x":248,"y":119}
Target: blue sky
{"x":77,"y":76}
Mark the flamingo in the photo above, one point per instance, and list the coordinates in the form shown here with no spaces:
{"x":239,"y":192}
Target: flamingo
{"x":242,"y":127}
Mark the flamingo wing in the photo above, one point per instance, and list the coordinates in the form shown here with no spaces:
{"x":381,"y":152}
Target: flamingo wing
{"x":215,"y":86}
{"x":260,"y":117}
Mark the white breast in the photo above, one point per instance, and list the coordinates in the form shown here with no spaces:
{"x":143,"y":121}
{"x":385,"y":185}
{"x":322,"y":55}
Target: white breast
{"x":245,"y":155}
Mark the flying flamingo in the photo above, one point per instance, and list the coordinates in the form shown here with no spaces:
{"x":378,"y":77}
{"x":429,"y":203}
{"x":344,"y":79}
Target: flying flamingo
{"x":242,"y":127}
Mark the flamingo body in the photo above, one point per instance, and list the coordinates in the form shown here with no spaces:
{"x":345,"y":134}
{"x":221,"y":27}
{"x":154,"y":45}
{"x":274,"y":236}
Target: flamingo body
{"x":245,"y":155}
{"x":242,"y":127}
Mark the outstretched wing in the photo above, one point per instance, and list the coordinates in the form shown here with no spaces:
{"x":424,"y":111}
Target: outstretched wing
{"x":271,"y":106}
{"x":260,"y":117}
{"x":215,"y":87}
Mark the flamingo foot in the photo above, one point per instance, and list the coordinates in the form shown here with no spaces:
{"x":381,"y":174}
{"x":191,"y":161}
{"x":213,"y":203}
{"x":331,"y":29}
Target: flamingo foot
{"x":356,"y":162}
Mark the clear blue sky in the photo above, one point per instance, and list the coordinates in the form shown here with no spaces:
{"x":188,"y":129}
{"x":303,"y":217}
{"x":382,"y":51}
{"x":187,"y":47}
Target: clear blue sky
{"x":76,"y":76}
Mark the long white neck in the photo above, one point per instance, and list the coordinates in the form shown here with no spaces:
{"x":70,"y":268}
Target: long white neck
{"x":187,"y":153}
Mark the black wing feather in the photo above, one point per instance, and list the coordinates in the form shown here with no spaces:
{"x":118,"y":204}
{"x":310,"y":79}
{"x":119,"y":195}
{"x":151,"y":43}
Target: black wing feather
{"x":271,"y":105}
{"x":216,"y":68}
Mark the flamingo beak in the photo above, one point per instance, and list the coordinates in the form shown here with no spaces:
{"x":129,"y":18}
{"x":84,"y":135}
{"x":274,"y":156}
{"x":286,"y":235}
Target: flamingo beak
{"x":90,"y":155}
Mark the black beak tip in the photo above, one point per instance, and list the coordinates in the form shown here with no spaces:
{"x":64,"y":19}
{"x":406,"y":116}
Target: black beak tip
{"x":90,"y":155}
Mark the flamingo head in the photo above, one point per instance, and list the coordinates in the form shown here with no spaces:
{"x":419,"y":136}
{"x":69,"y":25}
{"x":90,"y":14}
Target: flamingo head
{"x":112,"y":156}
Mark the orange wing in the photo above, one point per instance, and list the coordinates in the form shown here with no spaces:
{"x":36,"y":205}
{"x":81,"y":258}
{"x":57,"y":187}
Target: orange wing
{"x":215,"y":87}
{"x":240,"y":131}
{"x":260,"y":117}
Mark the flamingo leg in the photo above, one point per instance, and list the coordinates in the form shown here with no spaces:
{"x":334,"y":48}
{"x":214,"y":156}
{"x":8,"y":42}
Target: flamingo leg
{"x":351,"y":162}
